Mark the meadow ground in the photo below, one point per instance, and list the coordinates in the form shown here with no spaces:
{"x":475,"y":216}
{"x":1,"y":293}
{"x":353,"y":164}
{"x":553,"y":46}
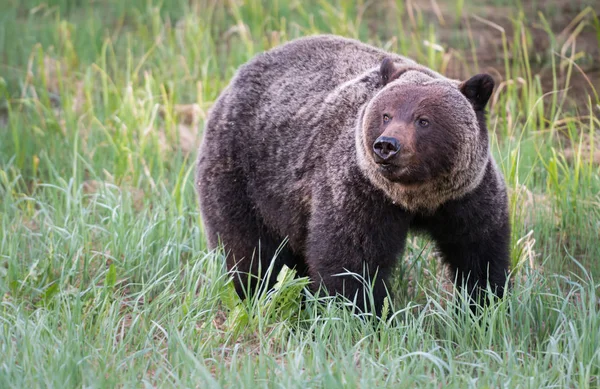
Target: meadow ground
{"x":105,"y":279}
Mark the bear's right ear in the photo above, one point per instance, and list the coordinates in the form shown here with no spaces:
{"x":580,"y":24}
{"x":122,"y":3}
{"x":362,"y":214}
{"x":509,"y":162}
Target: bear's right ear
{"x":387,"y":69}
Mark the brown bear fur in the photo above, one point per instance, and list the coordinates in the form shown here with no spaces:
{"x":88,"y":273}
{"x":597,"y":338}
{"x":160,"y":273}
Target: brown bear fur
{"x":288,"y":156}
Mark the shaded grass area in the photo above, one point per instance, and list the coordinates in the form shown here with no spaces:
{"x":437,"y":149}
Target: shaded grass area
{"x":103,"y":270}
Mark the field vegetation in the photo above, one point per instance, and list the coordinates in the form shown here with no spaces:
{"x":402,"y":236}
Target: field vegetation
{"x":105,"y":279}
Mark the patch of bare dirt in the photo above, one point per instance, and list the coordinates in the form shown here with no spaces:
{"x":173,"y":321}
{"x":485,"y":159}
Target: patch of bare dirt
{"x":91,"y":187}
{"x":187,"y":118}
{"x":587,"y":151}
{"x":472,"y":41}
{"x":531,"y":205}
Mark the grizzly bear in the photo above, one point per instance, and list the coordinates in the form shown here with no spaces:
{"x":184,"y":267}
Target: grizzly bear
{"x":323,"y":153}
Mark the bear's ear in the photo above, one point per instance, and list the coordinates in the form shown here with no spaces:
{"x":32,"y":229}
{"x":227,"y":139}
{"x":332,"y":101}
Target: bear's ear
{"x":478,"y":90}
{"x":386,"y":70}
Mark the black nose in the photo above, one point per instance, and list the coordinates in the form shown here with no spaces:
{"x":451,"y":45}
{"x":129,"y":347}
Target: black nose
{"x":386,"y":147}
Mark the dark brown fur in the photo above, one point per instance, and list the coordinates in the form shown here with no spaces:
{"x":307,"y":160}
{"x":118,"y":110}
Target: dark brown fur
{"x":288,"y":154}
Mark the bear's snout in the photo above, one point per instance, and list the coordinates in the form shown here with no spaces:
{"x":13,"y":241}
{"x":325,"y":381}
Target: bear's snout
{"x":386,"y":147}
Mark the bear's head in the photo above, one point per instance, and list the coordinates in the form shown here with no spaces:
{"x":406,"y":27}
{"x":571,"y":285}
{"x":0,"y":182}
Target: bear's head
{"x":422,"y":138}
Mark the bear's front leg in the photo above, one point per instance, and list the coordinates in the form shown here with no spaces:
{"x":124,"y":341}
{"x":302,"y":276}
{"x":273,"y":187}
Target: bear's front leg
{"x":364,"y":236}
{"x":478,"y":264}
{"x":473,"y":235}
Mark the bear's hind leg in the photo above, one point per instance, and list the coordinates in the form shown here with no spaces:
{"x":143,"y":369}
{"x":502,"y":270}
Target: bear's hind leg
{"x":231,"y":222}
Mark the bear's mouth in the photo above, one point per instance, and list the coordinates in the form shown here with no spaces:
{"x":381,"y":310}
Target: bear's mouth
{"x":394,"y":172}
{"x":391,"y":166}
{"x":398,"y":165}
{"x":391,"y":169}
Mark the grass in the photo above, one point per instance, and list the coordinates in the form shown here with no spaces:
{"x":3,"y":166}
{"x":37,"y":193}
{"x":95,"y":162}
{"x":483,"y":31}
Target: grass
{"x":105,"y":279}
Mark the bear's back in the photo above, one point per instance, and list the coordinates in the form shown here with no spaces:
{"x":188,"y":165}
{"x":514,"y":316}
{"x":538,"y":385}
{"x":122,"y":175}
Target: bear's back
{"x":297,"y":77}
{"x":281,"y":113}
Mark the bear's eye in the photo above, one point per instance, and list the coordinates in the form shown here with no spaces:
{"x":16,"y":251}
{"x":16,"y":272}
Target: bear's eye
{"x":422,"y":122}
{"x":386,"y":118}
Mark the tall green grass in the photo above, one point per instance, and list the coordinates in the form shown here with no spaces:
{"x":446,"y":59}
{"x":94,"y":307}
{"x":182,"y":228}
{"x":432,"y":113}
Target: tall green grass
{"x":104,"y":276}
